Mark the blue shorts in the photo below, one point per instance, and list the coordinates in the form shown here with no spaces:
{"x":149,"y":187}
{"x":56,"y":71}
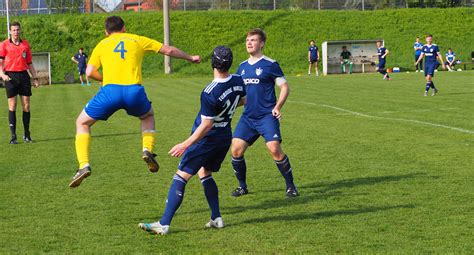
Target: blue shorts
{"x":111,"y":98}
{"x":381,"y":64}
{"x":205,"y":153}
{"x":81,"y":70}
{"x":313,"y":60}
{"x":250,"y":130}
{"x":430,"y":68}
{"x":417,"y":57}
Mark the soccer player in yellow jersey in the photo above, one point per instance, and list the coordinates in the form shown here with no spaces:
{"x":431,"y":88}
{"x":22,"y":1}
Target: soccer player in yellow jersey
{"x":120,"y":55}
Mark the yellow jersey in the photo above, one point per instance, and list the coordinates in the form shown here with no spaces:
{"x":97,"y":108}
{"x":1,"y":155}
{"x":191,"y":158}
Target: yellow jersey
{"x":121,"y":55}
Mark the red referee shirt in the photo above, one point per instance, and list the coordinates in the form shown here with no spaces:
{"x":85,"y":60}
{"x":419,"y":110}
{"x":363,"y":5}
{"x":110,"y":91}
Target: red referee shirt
{"x":16,"y":58}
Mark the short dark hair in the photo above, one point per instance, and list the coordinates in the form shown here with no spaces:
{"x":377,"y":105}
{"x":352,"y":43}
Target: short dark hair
{"x":344,"y":46}
{"x":15,"y":24}
{"x":114,"y":24}
{"x":450,"y":49}
{"x":81,"y":49}
{"x":380,"y":41}
{"x":429,"y":35}
{"x":222,"y":58}
{"x":311,"y":41}
{"x":259,"y":32}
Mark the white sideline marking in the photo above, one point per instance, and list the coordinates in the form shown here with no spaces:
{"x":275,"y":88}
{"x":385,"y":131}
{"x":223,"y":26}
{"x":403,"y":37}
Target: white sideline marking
{"x":386,"y":118}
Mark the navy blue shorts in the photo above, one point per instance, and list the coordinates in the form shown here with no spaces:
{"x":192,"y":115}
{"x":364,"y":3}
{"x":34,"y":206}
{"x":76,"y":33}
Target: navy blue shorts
{"x":381,"y":64}
{"x":81,"y":70}
{"x":111,"y":98}
{"x":430,"y":68}
{"x":206,"y":153}
{"x":250,"y":130}
{"x":417,"y":57}
{"x":313,"y":60}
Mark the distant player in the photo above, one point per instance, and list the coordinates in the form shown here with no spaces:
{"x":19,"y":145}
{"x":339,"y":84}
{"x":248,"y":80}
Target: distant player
{"x":418,"y":47}
{"x":346,"y":59}
{"x":15,"y":62}
{"x":431,"y":52}
{"x":313,"y":57}
{"x":206,"y":148}
{"x":120,"y":55}
{"x":382,"y":53}
{"x":81,"y":60}
{"x":450,"y":59}
{"x":262,"y":112}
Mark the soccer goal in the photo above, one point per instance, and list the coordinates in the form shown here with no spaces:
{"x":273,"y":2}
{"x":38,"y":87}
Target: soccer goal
{"x":42,"y":64}
{"x":364,"y":56}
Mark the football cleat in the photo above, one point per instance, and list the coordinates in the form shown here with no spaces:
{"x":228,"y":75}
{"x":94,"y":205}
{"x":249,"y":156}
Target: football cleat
{"x":155,"y":228}
{"x":150,"y":160}
{"x":216,"y":223}
{"x":426,"y":93}
{"x":435,"y":91}
{"x":80,"y":175}
{"x":13,"y":140}
{"x":239,"y":191}
{"x":27,"y":139}
{"x":292,"y":192}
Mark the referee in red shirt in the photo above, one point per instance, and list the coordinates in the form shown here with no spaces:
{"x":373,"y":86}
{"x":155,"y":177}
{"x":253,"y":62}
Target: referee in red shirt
{"x":15,"y":61}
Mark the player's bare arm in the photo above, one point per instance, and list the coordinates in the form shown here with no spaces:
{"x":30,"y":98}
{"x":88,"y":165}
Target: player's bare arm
{"x":34,"y":75}
{"x":284,"y":93}
{"x":420,"y":58}
{"x":386,"y":53}
{"x":242,"y":101}
{"x":74,"y":60}
{"x":201,"y":131}
{"x":93,"y":73}
{"x":2,"y":73}
{"x":177,"y":53}
{"x":440,"y":57}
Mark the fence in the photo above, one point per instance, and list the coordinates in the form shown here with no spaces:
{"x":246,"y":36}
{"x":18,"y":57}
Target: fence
{"x":25,"y":7}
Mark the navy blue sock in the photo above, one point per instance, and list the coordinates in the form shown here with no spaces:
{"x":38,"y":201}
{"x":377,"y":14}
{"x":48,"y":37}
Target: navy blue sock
{"x":432,"y":85}
{"x":285,"y":170}
{"x":428,"y":86}
{"x":383,"y":71}
{"x":12,"y":122}
{"x":212,"y":195}
{"x":175,"y":197}
{"x":240,"y":170}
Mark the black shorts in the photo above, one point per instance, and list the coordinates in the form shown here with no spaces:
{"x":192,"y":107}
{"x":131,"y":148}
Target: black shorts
{"x":81,"y":70}
{"x":19,"y":84}
{"x":313,"y":60}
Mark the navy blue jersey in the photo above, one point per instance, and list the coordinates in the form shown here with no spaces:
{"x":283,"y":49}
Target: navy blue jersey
{"x":380,"y":52}
{"x":431,"y":52}
{"x":260,"y":78}
{"x":450,"y":56}
{"x":82,"y":59}
{"x":313,"y":52}
{"x":218,"y":102}
{"x":417,"y":46}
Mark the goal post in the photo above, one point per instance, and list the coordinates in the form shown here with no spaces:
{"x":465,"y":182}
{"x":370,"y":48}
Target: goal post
{"x":42,"y":64}
{"x":364,"y":55}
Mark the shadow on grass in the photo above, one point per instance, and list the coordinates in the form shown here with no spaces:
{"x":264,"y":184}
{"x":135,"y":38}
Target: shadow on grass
{"x":93,"y":136}
{"x":324,"y":214}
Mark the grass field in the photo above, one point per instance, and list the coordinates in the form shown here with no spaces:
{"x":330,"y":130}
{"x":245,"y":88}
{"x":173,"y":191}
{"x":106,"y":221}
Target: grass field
{"x":380,"y":168}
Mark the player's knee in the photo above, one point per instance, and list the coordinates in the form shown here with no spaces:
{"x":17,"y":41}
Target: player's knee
{"x":26,"y":107}
{"x":276,"y":151}
{"x":237,"y":151}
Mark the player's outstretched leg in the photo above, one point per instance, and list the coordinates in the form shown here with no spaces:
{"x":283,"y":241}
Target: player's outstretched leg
{"x":174,"y":200}
{"x":240,"y":168}
{"x":212,"y":195}
{"x":283,"y":164}
{"x":83,"y":141}
{"x":148,"y":141}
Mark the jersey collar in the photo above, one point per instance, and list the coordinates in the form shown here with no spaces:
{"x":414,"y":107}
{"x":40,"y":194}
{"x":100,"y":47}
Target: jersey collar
{"x":223,"y":80}
{"x":254,"y":62}
{"x":11,"y":41}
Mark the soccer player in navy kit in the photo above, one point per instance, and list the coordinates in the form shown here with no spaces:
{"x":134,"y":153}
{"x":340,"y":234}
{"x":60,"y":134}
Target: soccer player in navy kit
{"x":382,"y":53}
{"x":262,"y":112}
{"x":417,"y":47}
{"x":313,"y":57}
{"x":431,"y":52}
{"x":206,"y":148}
{"x":450,"y":60}
{"x":81,"y":60}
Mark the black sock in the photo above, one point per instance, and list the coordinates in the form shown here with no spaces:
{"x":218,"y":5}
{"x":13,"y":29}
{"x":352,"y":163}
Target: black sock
{"x":26,"y":123}
{"x":432,"y":85}
{"x":12,"y":122}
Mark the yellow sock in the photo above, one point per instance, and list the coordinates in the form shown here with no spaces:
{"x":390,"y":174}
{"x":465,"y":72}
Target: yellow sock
{"x":83,"y":142}
{"x":148,"y":140}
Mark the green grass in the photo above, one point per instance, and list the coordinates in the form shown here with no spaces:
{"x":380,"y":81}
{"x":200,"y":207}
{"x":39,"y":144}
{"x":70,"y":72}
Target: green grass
{"x":371,"y":179}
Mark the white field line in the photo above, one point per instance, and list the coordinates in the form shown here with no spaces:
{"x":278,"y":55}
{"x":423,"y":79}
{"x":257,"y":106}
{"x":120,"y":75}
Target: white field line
{"x":386,"y":118}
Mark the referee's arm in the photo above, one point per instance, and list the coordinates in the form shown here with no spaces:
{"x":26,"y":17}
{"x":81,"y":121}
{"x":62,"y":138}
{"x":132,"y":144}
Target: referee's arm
{"x":2,"y":73}
{"x":33,"y":73}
